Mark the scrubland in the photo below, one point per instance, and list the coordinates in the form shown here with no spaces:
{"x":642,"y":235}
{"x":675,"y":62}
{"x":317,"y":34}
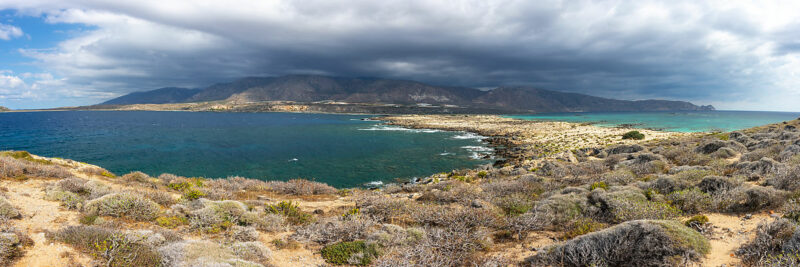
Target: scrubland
{"x":681,"y":200}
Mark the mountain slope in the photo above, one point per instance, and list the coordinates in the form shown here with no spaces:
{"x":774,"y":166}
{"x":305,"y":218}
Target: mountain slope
{"x":158,"y":96}
{"x":312,"y":88}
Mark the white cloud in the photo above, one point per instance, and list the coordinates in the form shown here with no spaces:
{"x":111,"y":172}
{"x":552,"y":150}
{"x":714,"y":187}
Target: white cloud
{"x":736,"y":54}
{"x":8,"y":32}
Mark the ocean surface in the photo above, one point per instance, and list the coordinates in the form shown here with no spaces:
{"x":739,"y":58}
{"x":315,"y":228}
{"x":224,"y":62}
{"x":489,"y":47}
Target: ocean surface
{"x":689,"y":121}
{"x":341,"y":150}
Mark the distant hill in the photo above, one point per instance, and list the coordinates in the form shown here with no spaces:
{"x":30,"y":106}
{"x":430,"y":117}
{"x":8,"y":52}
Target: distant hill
{"x":158,"y":96}
{"x":312,"y":88}
{"x":2,"y":108}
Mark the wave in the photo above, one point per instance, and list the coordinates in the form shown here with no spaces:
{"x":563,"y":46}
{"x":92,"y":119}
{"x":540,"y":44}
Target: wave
{"x":468,"y":135}
{"x":478,"y":148}
{"x":446,"y":154}
{"x":396,"y":128}
{"x":374,"y":184}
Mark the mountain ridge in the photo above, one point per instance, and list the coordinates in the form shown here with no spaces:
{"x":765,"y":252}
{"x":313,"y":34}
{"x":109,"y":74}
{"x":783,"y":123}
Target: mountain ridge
{"x":316,"y":88}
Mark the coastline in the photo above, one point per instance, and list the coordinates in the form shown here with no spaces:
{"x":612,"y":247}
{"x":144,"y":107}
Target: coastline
{"x":518,"y":141}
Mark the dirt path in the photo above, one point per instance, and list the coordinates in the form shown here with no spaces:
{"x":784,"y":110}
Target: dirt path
{"x":38,"y":215}
{"x":730,"y":232}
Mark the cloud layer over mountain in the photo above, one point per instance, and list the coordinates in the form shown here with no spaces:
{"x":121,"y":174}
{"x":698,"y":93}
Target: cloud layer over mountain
{"x":731,"y":54}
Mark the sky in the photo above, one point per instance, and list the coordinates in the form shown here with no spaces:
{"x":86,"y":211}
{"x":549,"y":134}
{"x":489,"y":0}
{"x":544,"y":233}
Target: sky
{"x":736,"y":55}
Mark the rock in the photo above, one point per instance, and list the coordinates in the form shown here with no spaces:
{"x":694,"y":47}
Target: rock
{"x":790,"y":128}
{"x":748,"y":216}
{"x":621,"y":149}
{"x":319,"y":212}
{"x":477,"y":203}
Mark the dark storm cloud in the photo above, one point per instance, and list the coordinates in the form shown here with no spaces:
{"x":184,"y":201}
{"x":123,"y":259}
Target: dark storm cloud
{"x":621,"y":49}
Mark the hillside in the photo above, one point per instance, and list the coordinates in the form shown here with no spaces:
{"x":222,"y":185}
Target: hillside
{"x":314,"y":88}
{"x":158,"y":96}
{"x":2,"y":108}
{"x":691,"y":200}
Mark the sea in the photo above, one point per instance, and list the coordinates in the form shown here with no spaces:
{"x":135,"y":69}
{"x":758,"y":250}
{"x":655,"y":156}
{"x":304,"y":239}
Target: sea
{"x":341,"y":150}
{"x":684,"y":121}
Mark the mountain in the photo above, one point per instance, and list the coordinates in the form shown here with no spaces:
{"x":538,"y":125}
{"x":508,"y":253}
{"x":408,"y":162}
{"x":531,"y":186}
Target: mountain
{"x":313,"y":88}
{"x":159,"y":96}
{"x":539,"y":100}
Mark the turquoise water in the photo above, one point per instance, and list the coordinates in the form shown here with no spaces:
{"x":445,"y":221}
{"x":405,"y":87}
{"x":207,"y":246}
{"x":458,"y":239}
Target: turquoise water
{"x":689,"y":121}
{"x":341,"y":150}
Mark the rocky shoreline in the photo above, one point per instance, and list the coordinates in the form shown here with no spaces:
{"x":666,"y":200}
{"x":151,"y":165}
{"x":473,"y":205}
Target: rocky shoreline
{"x":518,"y":141}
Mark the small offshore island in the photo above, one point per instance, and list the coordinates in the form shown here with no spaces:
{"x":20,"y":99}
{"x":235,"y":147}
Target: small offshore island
{"x":564,"y":194}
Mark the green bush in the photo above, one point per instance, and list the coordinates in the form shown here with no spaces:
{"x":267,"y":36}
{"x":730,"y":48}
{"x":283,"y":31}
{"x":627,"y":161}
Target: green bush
{"x":696,"y":222}
{"x":290,"y":211}
{"x":193,"y":194}
{"x":635,"y":135}
{"x":596,"y":185}
{"x":171,"y":221}
{"x":355,"y":253}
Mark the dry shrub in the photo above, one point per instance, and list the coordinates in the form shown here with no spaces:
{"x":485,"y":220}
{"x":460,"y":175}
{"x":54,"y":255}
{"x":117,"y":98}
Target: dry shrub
{"x":22,"y":169}
{"x":264,"y":222}
{"x":128,"y":205}
{"x":137,"y":177}
{"x":251,"y":251}
{"x":242,"y":233}
{"x":236,"y":183}
{"x":749,"y":199}
{"x":216,"y":216}
{"x":336,"y":229}
{"x":451,"y":192}
{"x":775,"y":242}
{"x":387,"y":209}
{"x":450,"y":215}
{"x":114,"y":247}
{"x":7,"y":211}
{"x":451,"y":246}
{"x":619,"y":176}
{"x":690,"y":201}
{"x":684,"y":155}
{"x":12,"y":245}
{"x":771,"y":152}
{"x":552,"y":213}
{"x":300,"y":187}
{"x":634,"y":243}
{"x":626,"y":205}
{"x":786,"y":179}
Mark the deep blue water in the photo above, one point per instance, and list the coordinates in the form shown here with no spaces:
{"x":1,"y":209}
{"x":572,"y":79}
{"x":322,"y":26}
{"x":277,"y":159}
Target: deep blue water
{"x":687,"y":121}
{"x":340,"y":150}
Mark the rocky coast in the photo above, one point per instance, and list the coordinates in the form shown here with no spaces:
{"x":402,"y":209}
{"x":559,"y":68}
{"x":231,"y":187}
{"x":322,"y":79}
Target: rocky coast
{"x":517,"y":141}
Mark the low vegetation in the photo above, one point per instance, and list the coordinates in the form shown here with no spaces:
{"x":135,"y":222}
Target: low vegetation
{"x":627,"y":204}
